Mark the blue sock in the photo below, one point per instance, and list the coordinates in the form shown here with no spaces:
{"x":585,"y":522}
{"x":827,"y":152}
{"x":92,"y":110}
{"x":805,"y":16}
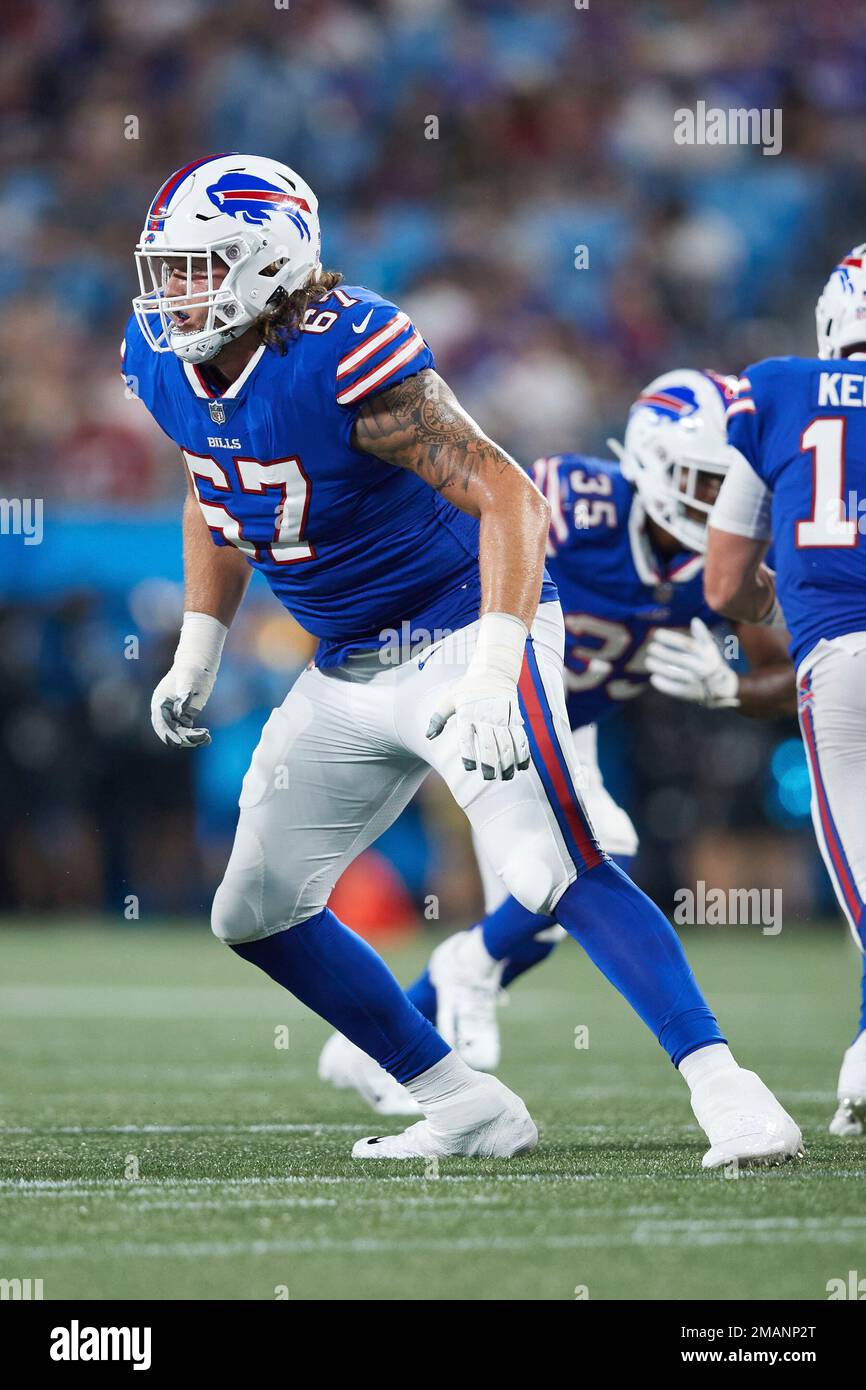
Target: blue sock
{"x":510,"y":928}
{"x":524,"y":957}
{"x":636,"y":948}
{"x":342,"y":979}
{"x":422,"y":994}
{"x":509,"y":934}
{"x":863,"y":998}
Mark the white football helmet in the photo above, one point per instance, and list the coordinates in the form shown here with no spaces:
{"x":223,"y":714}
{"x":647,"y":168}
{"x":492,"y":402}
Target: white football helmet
{"x":256,"y":216}
{"x":840,"y":314}
{"x":676,"y":435}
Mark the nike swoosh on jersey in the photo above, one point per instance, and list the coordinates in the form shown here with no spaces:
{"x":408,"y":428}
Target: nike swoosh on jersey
{"x":359,"y":327}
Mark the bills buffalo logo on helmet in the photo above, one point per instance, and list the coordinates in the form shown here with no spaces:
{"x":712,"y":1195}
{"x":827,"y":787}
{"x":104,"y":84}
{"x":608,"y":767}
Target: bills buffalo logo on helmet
{"x":673,"y":403}
{"x":845,"y":275}
{"x":255,"y":200}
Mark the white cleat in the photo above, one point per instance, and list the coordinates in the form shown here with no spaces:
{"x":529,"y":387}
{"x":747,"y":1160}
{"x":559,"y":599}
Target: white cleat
{"x":466,"y":980}
{"x":349,"y":1069}
{"x":743,"y":1121}
{"x":849,"y":1122}
{"x":496,"y":1124}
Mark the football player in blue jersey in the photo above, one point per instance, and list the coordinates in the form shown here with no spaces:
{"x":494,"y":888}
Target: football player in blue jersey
{"x":799,"y":480}
{"x":323,"y":450}
{"x":626,"y":550}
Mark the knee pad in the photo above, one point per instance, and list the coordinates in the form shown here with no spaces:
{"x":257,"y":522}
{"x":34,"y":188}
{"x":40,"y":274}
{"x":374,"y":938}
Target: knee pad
{"x":612,"y":825}
{"x":233,"y":918}
{"x":238,"y":912}
{"x":256,"y":898}
{"x":531,"y":877}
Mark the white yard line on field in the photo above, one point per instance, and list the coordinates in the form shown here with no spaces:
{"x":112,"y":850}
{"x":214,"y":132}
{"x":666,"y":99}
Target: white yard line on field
{"x":116,"y":1187}
{"x":47,"y":1187}
{"x":313,"y":1128}
{"x":761,"y":1232}
{"x":235,"y":1203}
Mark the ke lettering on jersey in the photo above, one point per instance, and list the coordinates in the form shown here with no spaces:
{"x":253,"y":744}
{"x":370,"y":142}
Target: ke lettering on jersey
{"x":841,"y":389}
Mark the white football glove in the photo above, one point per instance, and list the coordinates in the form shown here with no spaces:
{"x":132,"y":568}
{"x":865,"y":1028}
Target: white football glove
{"x":691,"y":667}
{"x":181,"y":695}
{"x":484,"y":701}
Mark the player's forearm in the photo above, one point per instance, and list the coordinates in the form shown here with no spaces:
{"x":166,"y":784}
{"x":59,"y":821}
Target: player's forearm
{"x":745,"y":598}
{"x":768,"y":689}
{"x":215,"y":577}
{"x":770,"y":693}
{"x":751,"y":604}
{"x":215,"y":581}
{"x":512,"y":541}
{"x":736,"y":584}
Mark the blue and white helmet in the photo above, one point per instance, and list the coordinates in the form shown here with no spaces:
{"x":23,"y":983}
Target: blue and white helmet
{"x":840,"y":314}
{"x":676,"y":435}
{"x":257,"y":216}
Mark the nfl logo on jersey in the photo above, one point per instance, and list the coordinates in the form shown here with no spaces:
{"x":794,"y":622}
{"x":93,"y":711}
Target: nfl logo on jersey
{"x":217,"y":412}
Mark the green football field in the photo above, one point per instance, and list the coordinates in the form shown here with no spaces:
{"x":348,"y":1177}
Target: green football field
{"x":160,"y":1141}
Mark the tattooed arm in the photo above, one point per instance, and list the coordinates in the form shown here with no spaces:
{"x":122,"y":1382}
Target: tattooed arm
{"x":420,"y":425}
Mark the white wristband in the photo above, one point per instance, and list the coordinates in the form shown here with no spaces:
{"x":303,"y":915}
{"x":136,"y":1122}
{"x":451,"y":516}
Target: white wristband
{"x":201,"y":642}
{"x":775,"y":618}
{"x":499,"y":649}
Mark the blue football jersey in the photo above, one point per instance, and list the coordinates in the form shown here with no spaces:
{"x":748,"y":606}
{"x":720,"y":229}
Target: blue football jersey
{"x":613,"y":589}
{"x":801,"y":424}
{"x":357,"y":549}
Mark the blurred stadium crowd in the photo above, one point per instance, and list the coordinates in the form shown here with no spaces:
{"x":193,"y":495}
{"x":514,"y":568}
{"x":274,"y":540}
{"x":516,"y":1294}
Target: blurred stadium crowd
{"x":462,"y":154}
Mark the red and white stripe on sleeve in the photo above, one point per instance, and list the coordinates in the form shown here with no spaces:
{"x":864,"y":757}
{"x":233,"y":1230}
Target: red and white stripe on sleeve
{"x":546,"y":476}
{"x":389,"y":349}
{"x":743,"y":404}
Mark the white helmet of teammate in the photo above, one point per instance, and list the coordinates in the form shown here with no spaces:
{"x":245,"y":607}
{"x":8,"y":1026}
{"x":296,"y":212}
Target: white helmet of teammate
{"x":675,"y":438}
{"x":257,"y":217}
{"x":840,"y":314}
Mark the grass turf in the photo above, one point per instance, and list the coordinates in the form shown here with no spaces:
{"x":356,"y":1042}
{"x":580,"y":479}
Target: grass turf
{"x":158,"y":1143}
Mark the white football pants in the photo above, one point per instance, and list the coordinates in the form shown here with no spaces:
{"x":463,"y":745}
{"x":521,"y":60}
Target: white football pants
{"x":346,"y":751}
{"x":613,"y":826}
{"x":831,"y":685}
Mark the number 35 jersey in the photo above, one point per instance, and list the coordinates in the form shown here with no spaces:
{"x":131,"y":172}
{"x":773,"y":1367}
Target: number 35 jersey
{"x":613,"y":589}
{"x":801,"y":425}
{"x":357,"y":549}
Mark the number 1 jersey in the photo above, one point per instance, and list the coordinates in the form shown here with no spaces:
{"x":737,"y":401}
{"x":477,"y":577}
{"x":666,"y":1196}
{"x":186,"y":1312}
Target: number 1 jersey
{"x":801,"y":425}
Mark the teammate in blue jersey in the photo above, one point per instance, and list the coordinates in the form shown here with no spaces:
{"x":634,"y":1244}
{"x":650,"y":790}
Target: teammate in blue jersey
{"x":799,"y":428}
{"x":625,"y":549}
{"x":322,"y":448}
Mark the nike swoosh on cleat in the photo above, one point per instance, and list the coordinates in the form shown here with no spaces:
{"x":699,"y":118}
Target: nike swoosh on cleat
{"x":359,"y":327}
